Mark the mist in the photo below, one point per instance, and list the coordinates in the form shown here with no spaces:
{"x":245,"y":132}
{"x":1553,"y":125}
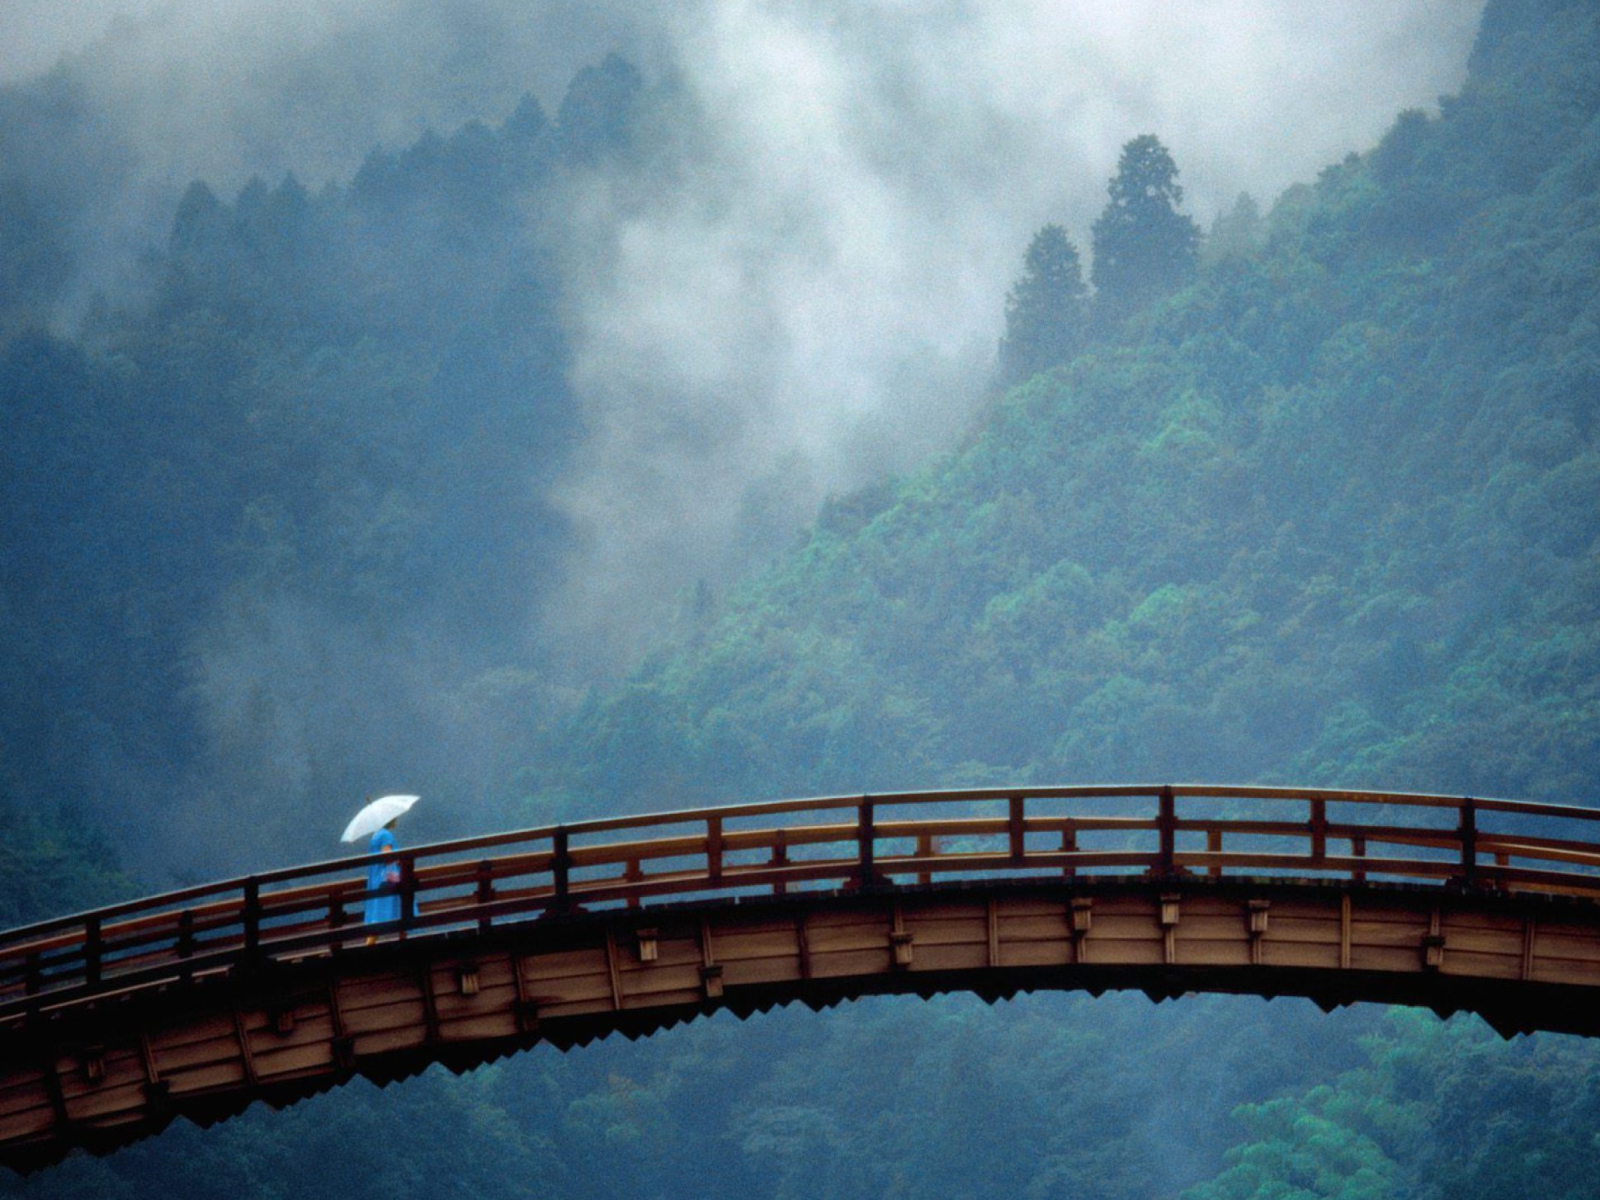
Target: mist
{"x":818,"y":302}
{"x":812,"y":304}
{"x":873,"y":175}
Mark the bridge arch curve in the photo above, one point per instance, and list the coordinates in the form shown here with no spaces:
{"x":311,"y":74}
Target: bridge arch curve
{"x":200,"y":1002}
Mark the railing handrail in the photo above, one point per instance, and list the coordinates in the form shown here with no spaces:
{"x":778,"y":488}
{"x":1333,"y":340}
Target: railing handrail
{"x":360,"y":861}
{"x":148,"y":933}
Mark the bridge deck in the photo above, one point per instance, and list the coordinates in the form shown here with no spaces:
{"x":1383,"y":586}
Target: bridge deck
{"x":199,"y":1002}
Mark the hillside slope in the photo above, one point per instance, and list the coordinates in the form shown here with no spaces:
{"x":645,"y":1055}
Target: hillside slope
{"x":1328,"y":515}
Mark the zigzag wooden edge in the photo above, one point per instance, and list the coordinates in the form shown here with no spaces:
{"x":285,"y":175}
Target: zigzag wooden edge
{"x":98,"y":1076}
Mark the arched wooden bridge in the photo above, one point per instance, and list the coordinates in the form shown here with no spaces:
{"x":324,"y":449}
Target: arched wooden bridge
{"x":199,"y":1002}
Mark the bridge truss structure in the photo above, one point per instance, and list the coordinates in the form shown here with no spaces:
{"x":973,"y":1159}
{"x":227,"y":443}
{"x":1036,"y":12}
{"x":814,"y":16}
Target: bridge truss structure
{"x":200,"y":1002}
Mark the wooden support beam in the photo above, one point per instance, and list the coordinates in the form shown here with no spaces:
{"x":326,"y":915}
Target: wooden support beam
{"x":802,"y":945}
{"x":1016,"y":830}
{"x":1169,"y":915}
{"x":527,"y":1010}
{"x":1082,"y":921}
{"x":246,"y":1056}
{"x":343,"y":1044}
{"x":1257,"y":913}
{"x":430,"y":1004}
{"x":51,"y":1077}
{"x":1530,"y":933}
{"x":147,"y":1059}
{"x":994,"y":933}
{"x":1344,"y":932}
{"x":899,"y":941}
{"x":647,"y":939}
{"x":710,"y":968}
{"x":1433,"y":944}
{"x":613,"y":973}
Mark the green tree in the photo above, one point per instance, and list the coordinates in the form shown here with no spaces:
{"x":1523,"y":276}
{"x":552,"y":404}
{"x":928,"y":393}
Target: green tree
{"x":1235,"y":233}
{"x":1143,"y":246}
{"x":1045,"y":308}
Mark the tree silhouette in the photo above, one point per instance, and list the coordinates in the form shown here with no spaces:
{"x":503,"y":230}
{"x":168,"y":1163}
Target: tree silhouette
{"x":1143,"y":247}
{"x":1045,"y":308}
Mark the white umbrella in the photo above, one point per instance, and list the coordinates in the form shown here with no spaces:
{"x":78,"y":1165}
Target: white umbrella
{"x":376,"y":815}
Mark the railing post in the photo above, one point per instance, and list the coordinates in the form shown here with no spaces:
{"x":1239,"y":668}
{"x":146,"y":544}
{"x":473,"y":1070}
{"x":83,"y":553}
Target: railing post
{"x":1017,"y":829}
{"x":560,"y":869}
{"x":866,"y":839}
{"x":1319,"y":830}
{"x":92,"y":950}
{"x":185,"y":943}
{"x":714,"y":849}
{"x":252,"y":917}
{"x":1167,"y":828}
{"x":408,"y":892}
{"x":780,"y":858}
{"x":1468,"y":833}
{"x":485,"y":894}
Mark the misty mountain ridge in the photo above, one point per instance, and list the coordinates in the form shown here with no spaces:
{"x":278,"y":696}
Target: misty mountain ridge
{"x":1326,"y":514}
{"x":1323,"y":511}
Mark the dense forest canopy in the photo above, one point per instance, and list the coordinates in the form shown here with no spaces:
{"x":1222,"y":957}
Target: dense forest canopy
{"x":1312,"y":498}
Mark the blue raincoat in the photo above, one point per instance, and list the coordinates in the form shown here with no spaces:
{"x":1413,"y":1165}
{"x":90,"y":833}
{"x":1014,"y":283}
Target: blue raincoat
{"x":385,"y":876}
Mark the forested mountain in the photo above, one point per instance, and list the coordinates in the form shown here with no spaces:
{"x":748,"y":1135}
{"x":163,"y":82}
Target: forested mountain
{"x":1317,"y":504}
{"x":248,"y":501}
{"x":1327,"y":513}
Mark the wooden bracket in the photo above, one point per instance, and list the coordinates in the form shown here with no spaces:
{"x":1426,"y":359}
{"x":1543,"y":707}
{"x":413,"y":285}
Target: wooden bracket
{"x":649,"y":944}
{"x":1082,"y":916}
{"x":467,"y":979}
{"x":1433,"y":951}
{"x":1169,"y":927}
{"x":613,"y":968}
{"x":94,"y":1063}
{"x":710,"y":970}
{"x":1433,"y":944}
{"x":900,"y":941}
{"x":1080,"y":922}
{"x":1257,"y":912}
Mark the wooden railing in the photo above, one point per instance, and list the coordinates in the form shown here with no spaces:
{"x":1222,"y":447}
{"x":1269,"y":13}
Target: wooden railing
{"x":901,"y":839}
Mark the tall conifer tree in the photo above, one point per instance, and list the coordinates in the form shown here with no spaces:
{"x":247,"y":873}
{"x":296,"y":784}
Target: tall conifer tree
{"x":1045,"y":309}
{"x":1144,"y":247}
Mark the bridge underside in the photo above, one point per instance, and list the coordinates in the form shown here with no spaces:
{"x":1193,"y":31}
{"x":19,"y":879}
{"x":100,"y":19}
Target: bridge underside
{"x":101,"y":1075}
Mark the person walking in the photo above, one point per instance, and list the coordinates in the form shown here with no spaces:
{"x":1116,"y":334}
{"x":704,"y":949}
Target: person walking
{"x":383,"y":880}
{"x":383,"y":900}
